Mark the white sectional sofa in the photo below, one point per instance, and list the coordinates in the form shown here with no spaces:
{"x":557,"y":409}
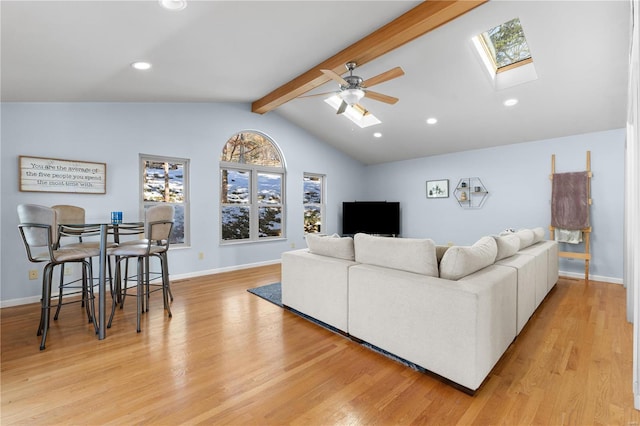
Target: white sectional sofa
{"x":450,"y":310}
{"x":317,"y":285}
{"x":525,"y":268}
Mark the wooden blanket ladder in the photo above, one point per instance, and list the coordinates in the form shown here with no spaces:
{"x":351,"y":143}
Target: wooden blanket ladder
{"x":586,"y":232}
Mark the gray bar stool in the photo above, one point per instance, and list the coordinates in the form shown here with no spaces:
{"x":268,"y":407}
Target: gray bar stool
{"x":38,"y":228}
{"x":158,"y":225}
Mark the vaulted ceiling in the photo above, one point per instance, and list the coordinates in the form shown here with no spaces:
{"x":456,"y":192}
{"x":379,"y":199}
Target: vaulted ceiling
{"x":242,"y":51}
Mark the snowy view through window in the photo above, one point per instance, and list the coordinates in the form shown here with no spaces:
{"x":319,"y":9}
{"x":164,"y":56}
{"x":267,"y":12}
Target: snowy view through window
{"x":312,"y":199}
{"x":164,"y":183}
{"x":236,"y":218}
{"x":251,"y":155}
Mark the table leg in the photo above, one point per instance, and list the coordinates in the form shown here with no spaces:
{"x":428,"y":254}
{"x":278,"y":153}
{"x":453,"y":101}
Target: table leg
{"x":101,"y":282}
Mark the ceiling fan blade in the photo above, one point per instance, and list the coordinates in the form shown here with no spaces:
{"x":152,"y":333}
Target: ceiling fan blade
{"x":380,"y":97}
{"x":385,"y":76}
{"x":362,"y":110}
{"x":342,"y":108}
{"x":335,"y":77}
{"x":316,"y":95}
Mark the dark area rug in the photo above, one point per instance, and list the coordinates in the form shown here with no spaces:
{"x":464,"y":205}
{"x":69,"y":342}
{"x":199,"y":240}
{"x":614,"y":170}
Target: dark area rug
{"x":269,"y":292}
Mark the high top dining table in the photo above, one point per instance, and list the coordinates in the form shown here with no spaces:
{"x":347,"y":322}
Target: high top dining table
{"x":105,"y":228}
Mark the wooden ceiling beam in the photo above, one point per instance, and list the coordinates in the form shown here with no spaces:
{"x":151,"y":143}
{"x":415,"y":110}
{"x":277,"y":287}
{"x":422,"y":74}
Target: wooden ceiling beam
{"x":418,"y":21}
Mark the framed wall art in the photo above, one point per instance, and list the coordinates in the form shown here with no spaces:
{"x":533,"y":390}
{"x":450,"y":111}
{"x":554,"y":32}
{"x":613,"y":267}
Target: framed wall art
{"x":438,"y":188}
{"x":38,"y":174}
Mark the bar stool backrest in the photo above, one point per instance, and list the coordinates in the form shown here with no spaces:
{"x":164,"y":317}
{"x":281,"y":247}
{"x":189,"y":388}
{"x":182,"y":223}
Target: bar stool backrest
{"x":163,"y":214}
{"x":38,"y":236}
{"x":66,"y":215}
{"x":69,"y":214}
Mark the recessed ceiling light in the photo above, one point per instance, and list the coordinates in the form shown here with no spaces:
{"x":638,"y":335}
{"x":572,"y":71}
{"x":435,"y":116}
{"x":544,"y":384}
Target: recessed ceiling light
{"x":432,"y":120}
{"x":377,"y":135}
{"x":173,"y":4}
{"x":141,"y":65}
{"x":510,"y":102}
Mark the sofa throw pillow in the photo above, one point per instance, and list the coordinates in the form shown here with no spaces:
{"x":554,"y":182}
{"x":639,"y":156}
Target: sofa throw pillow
{"x":331,"y":245}
{"x":526,"y":237}
{"x":440,"y":251}
{"x":407,"y":254}
{"x":538,"y":234}
{"x":507,"y":245}
{"x":459,"y":261}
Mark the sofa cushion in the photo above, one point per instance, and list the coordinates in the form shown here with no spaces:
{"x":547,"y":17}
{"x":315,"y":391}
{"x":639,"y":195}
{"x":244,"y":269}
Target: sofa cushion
{"x":526,"y":237}
{"x":459,"y":261}
{"x":538,"y":234}
{"x":407,"y":254}
{"x":331,"y":245}
{"x":507,"y":245}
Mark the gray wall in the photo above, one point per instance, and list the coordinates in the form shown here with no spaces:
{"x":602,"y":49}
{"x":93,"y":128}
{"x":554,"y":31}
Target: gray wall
{"x":517,"y":177}
{"x":115,"y":133}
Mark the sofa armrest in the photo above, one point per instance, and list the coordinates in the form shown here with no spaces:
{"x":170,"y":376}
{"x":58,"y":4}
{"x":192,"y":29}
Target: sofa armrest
{"x":316,"y":285}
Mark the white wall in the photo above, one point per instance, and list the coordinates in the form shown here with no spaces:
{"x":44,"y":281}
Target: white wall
{"x":115,"y":133}
{"x":517,"y":177}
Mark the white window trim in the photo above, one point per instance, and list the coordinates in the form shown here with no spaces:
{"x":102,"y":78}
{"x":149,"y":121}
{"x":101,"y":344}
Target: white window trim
{"x":253,"y":206}
{"x":323,"y":199}
{"x":186,"y":204}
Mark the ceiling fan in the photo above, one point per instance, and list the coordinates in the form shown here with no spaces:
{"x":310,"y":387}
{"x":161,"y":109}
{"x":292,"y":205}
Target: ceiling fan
{"x":353,"y":88}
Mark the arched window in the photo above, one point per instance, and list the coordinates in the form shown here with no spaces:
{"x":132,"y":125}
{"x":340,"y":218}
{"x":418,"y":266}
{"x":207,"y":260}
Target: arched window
{"x":252,"y":177}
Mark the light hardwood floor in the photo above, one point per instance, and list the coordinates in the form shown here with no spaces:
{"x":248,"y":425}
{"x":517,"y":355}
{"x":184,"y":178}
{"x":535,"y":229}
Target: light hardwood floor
{"x":229,"y":357}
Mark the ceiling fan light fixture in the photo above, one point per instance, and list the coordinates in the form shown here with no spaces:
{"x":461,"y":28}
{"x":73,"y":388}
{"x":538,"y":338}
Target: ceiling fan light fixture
{"x":173,"y":5}
{"x":352,"y":96}
{"x":362,"y":120}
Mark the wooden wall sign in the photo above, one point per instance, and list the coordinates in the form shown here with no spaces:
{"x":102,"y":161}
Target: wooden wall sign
{"x":53,"y":175}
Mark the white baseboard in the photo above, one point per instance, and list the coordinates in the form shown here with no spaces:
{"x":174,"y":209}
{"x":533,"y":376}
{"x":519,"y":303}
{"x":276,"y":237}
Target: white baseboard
{"x":174,"y":277}
{"x":18,"y":302}
{"x":177,"y":277}
{"x":580,"y":276}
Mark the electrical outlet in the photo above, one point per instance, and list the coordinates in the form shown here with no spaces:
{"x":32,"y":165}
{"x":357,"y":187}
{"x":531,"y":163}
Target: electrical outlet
{"x":67,"y":270}
{"x":200,"y":256}
{"x":33,"y":274}
{"x":293,"y":245}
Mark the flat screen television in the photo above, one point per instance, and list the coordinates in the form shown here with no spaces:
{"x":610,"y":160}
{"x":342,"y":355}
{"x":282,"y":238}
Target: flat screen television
{"x":371,"y":217}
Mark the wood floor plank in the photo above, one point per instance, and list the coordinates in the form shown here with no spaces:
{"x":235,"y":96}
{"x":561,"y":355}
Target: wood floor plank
{"x":229,"y":357}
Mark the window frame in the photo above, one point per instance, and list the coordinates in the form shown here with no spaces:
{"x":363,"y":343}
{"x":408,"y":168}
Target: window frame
{"x":254,"y":204}
{"x":186,"y":204}
{"x":322,"y":205}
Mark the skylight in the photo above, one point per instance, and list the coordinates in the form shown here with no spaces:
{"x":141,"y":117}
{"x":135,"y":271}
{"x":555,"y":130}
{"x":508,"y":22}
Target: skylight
{"x":505,"y":45}
{"x":504,"y":48}
{"x":354,"y":114}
